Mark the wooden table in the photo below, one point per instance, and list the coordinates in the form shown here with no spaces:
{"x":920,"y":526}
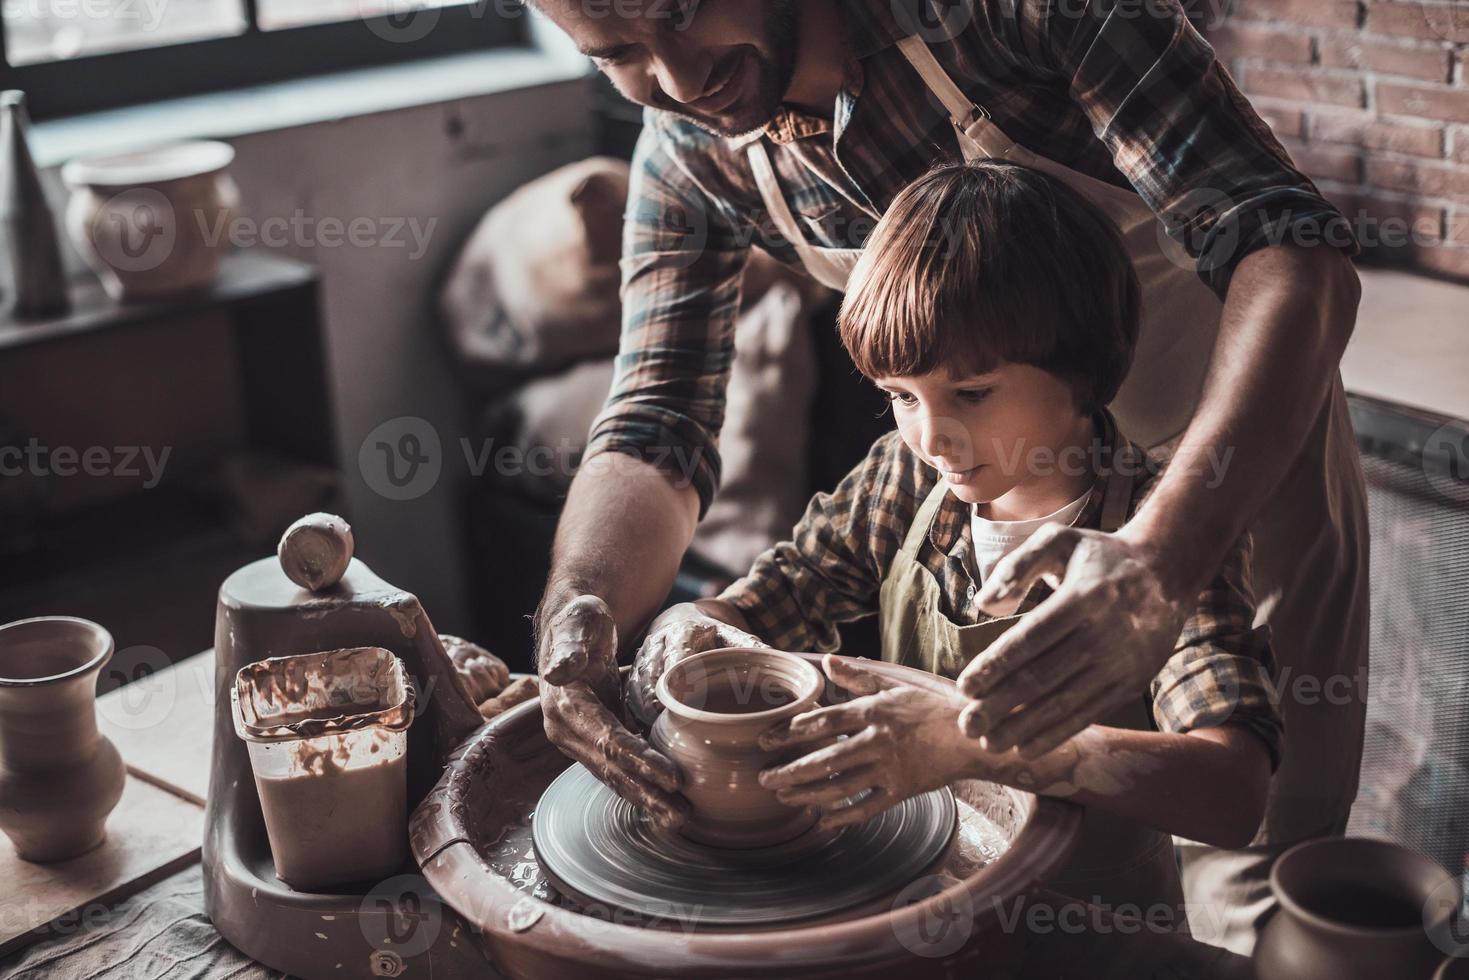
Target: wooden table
{"x":161,"y":724}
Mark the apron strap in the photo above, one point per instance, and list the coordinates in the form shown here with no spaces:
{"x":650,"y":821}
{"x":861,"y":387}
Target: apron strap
{"x":961,"y":108}
{"x":775,"y":201}
{"x":819,"y":262}
{"x":923,"y":520}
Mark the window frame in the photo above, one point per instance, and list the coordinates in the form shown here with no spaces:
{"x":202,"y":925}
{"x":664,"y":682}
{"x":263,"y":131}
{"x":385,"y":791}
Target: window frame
{"x":255,"y":57}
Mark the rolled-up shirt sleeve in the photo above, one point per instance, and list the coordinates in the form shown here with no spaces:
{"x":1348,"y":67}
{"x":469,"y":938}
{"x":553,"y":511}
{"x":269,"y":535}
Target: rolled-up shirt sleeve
{"x":683,"y":257}
{"x":1222,"y":670}
{"x":1180,"y":131}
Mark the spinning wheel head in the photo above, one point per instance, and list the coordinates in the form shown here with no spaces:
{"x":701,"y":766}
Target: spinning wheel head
{"x":601,"y":851}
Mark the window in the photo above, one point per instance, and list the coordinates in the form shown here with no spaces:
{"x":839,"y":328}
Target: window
{"x":73,"y":56}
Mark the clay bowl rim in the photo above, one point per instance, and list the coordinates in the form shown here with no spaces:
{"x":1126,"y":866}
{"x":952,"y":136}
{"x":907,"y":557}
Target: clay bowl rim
{"x":1288,"y":901}
{"x":172,"y":161}
{"x":93,"y":663}
{"x":1043,"y":845}
{"x":812,"y":682}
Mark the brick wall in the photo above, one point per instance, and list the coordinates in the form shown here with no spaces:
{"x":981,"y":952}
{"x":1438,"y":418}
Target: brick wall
{"x":1371,"y":98}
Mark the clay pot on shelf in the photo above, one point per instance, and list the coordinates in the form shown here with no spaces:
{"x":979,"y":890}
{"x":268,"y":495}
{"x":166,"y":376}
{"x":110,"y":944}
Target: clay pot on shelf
{"x":716,"y":705}
{"x":59,"y":777}
{"x":1354,"y":908}
{"x":156,"y":222}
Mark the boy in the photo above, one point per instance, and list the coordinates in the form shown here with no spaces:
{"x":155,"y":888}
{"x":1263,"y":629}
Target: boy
{"x":997,"y":310}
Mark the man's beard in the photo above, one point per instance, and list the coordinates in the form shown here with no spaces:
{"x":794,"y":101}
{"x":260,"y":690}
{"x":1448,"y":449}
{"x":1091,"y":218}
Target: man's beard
{"x":773,"y":76}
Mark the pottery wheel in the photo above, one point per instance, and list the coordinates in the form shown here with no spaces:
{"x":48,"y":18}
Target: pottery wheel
{"x":599,"y":849}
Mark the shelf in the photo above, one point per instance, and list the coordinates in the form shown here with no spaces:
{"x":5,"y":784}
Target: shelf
{"x":243,"y":276}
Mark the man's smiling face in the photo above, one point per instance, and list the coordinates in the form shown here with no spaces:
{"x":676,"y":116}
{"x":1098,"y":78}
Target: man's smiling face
{"x":723,"y":64}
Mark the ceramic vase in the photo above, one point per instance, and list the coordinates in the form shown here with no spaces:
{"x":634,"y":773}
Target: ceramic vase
{"x":716,"y":705}
{"x":1352,"y":908}
{"x":35,"y":254}
{"x":59,"y":776}
{"x":154,"y":223}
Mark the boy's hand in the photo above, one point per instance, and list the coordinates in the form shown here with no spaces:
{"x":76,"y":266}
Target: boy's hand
{"x":1098,"y":641}
{"x":680,"y":631}
{"x":580,"y":689}
{"x":902,"y":741}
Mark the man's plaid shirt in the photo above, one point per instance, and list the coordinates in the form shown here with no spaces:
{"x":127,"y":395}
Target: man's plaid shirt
{"x":1123,"y":90}
{"x":832,"y":569}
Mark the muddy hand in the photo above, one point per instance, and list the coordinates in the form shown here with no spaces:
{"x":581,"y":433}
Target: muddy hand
{"x":680,"y":631}
{"x":899,"y":741}
{"x":1092,"y":645}
{"x":579,"y":694}
{"x":482,"y":672}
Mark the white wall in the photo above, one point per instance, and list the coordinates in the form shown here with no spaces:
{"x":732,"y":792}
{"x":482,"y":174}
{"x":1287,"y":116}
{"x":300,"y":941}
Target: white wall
{"x":386,"y":356}
{"x":443,"y":162}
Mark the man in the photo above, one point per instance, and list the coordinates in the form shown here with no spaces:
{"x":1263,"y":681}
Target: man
{"x":791,"y":125}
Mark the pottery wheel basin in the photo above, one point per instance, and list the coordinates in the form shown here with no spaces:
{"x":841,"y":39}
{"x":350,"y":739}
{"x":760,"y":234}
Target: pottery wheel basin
{"x":472,"y":838}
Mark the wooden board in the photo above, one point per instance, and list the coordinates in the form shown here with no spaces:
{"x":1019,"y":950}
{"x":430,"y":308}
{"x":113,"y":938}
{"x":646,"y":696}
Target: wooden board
{"x":163,"y":725}
{"x":150,"y":835}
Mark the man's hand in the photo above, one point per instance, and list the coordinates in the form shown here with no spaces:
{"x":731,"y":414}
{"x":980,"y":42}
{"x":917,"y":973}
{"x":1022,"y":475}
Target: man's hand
{"x":680,"y":631}
{"x":580,"y":689}
{"x":901,"y":741}
{"x":1097,"y":641}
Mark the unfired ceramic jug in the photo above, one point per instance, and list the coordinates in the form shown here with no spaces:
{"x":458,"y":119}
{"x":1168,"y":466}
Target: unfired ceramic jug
{"x":155,"y":222}
{"x":59,"y":777}
{"x":1352,"y":908}
{"x":716,"y":705}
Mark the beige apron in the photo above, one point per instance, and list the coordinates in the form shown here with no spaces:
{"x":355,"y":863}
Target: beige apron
{"x":1310,"y":565}
{"x":1120,"y":865}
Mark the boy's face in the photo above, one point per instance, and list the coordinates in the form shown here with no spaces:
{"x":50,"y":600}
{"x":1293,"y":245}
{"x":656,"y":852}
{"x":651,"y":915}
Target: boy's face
{"x":986,"y":434}
{"x":725,"y":69}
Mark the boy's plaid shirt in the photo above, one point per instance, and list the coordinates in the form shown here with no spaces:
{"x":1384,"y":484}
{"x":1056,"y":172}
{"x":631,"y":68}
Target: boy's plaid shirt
{"x":831,"y":571}
{"x":1123,"y":90}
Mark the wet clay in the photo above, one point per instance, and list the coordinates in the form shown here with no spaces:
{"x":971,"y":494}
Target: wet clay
{"x":316,"y":551}
{"x":472,"y":838}
{"x":327,"y":747}
{"x":716,"y":705}
{"x":345,"y":824}
{"x":59,"y":777}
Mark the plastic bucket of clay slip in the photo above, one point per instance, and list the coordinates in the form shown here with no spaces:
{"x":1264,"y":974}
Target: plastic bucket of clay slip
{"x":327,"y":733}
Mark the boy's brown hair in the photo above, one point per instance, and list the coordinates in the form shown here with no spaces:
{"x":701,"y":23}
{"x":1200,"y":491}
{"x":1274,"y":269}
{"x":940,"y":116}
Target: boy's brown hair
{"x":977,"y":264}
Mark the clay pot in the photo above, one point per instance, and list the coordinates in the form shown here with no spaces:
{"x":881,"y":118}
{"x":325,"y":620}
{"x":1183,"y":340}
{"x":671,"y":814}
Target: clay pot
{"x":716,"y":705}
{"x":153,"y":223}
{"x":59,"y":777}
{"x":1353,"y":908}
